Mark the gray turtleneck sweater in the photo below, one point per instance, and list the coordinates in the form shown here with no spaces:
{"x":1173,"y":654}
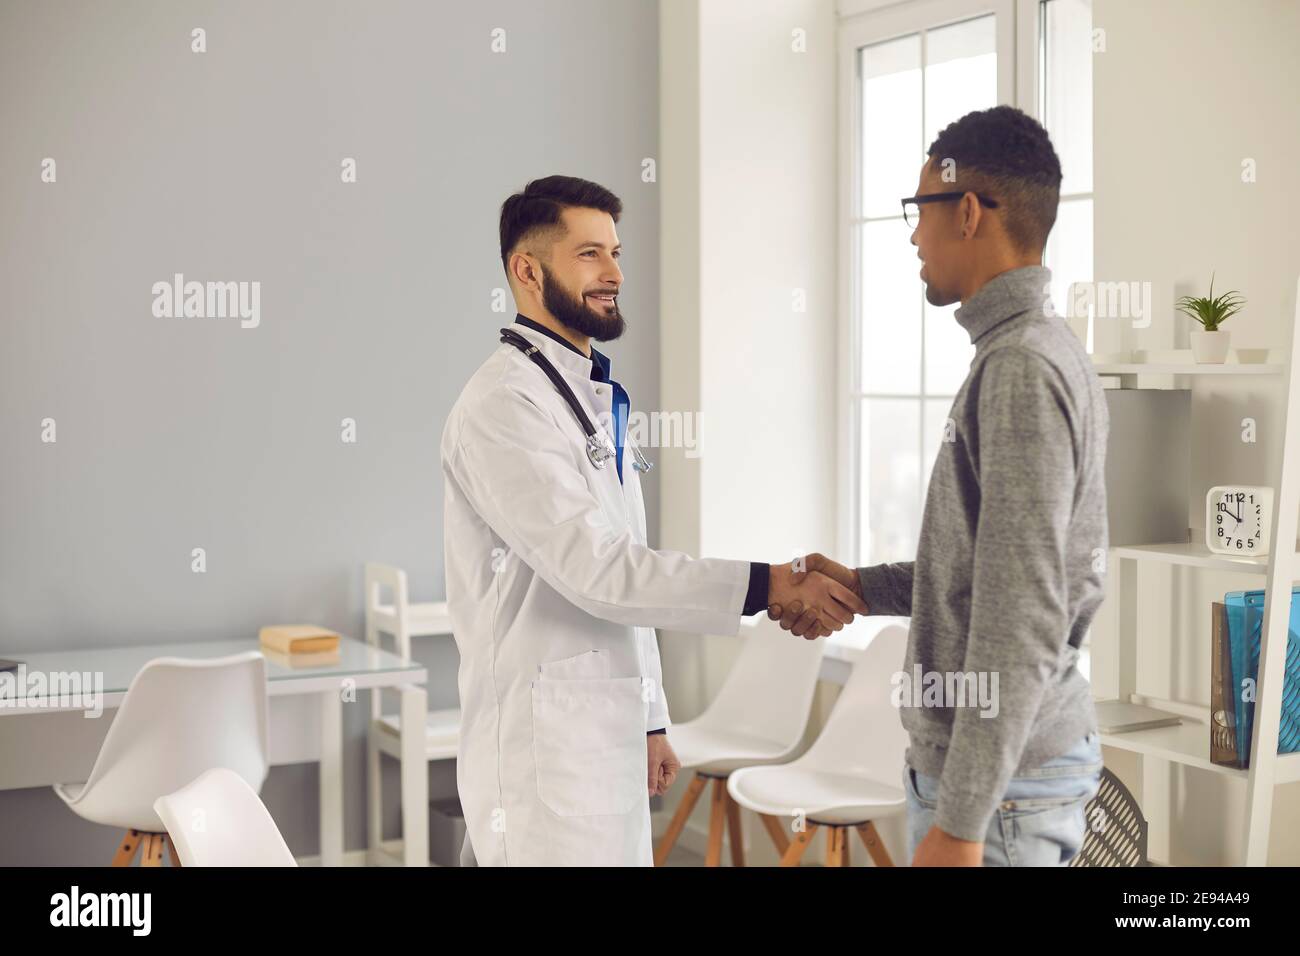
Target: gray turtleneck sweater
{"x":1008,"y":569}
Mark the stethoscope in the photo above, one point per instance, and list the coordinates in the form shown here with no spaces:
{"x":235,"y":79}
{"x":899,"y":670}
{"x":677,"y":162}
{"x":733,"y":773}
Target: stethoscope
{"x":599,"y":449}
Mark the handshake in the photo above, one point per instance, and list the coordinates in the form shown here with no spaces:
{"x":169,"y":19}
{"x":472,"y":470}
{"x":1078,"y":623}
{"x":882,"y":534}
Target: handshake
{"x":819,"y":597}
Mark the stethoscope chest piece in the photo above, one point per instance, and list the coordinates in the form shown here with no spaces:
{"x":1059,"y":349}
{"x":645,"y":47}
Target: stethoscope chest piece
{"x":640,"y":464}
{"x":598,"y":451}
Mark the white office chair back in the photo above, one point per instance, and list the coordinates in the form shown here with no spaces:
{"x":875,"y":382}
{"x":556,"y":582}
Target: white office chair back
{"x":379,"y":577}
{"x":179,"y":718}
{"x":864,"y":735}
{"x":218,"y":820}
{"x":769,"y":689}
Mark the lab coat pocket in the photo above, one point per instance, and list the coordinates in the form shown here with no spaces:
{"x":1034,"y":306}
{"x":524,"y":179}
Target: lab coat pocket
{"x":588,"y":665}
{"x":589,"y":745}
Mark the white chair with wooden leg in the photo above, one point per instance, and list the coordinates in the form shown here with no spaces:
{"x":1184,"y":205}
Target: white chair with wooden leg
{"x":758,"y":717}
{"x":394,"y":614}
{"x":180,"y":717}
{"x":218,"y":820}
{"x":849,"y":778}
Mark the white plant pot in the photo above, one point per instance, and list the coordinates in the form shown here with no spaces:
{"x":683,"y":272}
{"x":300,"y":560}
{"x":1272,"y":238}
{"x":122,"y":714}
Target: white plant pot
{"x":1210,"y":348}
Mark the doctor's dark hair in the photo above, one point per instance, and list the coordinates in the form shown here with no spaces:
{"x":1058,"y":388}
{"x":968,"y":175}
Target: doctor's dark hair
{"x":543,"y":200}
{"x":1006,"y":154}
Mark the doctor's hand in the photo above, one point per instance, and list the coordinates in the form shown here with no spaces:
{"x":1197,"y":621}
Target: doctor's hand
{"x":662,"y":764}
{"x":815,"y":601}
{"x":804,"y":619}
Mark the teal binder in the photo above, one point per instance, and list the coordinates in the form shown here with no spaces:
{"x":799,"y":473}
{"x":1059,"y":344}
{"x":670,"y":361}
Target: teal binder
{"x":1245,"y":610}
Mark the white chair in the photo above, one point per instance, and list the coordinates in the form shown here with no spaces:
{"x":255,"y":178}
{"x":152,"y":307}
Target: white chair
{"x":218,"y":820}
{"x":850,"y":775}
{"x":403,"y":620}
{"x":180,"y":717}
{"x":758,"y":717}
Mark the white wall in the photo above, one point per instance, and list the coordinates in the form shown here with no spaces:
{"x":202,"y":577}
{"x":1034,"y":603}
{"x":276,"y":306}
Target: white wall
{"x":679,"y":328}
{"x":748,"y":180}
{"x":748,"y":216}
{"x":1185,"y":90}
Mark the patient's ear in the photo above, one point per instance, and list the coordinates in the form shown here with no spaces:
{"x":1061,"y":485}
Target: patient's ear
{"x":971,"y":213}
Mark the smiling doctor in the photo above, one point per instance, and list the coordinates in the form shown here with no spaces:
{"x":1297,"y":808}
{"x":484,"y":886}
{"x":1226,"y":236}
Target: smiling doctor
{"x":552,"y":589}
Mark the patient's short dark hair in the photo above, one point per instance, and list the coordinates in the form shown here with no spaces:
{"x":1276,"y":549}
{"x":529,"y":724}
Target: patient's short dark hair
{"x":541,"y":203}
{"x":1007,"y":154}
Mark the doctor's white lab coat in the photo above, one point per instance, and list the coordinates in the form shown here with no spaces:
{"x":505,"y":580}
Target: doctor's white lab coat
{"x":553,"y":595}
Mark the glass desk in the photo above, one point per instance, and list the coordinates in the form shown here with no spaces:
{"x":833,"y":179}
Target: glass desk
{"x":58,"y":743}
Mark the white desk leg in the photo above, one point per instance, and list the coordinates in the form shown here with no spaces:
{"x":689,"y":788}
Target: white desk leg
{"x":415,"y":776}
{"x":331,"y":778}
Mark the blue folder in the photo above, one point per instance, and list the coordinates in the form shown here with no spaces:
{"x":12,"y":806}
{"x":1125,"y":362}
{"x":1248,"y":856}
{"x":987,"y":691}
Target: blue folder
{"x":1245,"y":610}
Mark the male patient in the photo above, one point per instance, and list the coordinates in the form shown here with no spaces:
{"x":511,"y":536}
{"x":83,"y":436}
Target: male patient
{"x":1008,"y":569}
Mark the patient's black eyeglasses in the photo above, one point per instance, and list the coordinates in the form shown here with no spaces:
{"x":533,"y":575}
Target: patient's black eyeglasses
{"x":912,"y":204}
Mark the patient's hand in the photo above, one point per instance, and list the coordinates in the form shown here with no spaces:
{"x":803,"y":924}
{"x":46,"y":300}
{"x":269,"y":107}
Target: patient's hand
{"x":802,"y":614}
{"x":941,"y":849}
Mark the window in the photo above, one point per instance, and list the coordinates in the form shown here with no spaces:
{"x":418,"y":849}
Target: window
{"x":906,"y":72}
{"x":911,"y":357}
{"x":1065,"y":109}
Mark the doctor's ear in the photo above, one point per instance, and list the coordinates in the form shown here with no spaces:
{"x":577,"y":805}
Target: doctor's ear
{"x":525,"y":270}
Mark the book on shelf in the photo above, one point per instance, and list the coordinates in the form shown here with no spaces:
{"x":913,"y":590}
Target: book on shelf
{"x":1223,"y":717}
{"x":1243,"y":626}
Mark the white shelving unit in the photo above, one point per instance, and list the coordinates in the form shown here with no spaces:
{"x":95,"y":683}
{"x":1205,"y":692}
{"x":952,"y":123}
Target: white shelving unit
{"x":1189,"y":743}
{"x":1227,"y":368}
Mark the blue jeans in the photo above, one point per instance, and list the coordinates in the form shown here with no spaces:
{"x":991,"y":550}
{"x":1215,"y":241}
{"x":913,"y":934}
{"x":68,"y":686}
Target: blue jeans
{"x":1040,"y":819}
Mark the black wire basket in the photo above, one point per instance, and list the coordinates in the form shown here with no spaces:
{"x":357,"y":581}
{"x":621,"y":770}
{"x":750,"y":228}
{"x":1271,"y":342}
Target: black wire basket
{"x":1117,"y":831}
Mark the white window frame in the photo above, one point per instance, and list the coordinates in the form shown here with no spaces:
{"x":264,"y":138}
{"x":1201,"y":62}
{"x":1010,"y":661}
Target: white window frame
{"x":1018,"y":40}
{"x":1029,"y":43}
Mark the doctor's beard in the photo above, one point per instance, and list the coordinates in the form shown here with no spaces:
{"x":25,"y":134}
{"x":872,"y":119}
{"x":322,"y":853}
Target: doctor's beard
{"x":573,"y":311}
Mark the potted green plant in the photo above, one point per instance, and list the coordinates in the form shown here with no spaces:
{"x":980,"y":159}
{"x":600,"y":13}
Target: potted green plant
{"x":1210,"y":343}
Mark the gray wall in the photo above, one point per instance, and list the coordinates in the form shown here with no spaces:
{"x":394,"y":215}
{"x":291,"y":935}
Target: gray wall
{"x":376,"y":298}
